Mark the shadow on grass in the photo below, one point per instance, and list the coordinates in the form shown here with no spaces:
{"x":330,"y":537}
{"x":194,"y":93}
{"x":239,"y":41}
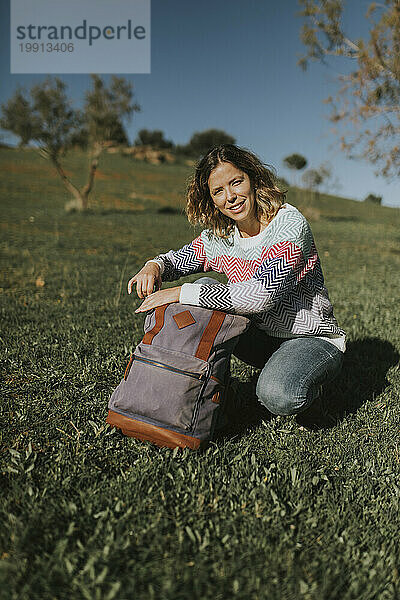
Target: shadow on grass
{"x":363,"y":377}
{"x":170,"y":210}
{"x":339,"y":218}
{"x":150,"y":208}
{"x":101,"y":212}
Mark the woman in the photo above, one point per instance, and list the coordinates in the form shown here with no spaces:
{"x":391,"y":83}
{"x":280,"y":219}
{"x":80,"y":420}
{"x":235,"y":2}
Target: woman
{"x":266,"y":249}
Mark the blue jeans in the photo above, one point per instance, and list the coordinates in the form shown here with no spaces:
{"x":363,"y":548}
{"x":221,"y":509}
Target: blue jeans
{"x":292,"y":370}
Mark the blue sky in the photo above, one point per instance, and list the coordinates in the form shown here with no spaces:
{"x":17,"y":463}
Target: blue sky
{"x":232,"y":66}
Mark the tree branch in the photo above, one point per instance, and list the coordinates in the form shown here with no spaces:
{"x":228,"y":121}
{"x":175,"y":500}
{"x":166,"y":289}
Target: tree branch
{"x":66,"y":181}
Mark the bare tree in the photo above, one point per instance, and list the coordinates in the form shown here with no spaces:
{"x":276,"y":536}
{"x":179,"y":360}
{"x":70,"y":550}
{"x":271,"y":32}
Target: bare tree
{"x":368,"y":98}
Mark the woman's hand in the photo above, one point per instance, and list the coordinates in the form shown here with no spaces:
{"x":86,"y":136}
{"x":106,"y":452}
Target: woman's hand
{"x":159,"y":298}
{"x":145,"y":280}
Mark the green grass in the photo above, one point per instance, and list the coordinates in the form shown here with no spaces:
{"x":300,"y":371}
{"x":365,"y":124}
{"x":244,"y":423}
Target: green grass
{"x":304,"y":508}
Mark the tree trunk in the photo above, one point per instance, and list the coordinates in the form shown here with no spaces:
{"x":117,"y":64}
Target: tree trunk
{"x":93,"y":164}
{"x":82,"y":195}
{"x":76,"y":193}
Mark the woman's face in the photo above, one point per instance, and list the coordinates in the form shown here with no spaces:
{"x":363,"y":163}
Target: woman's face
{"x":232,"y":193}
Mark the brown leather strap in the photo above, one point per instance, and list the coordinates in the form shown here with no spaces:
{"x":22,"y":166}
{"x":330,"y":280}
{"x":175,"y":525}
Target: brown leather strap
{"x":159,"y":313}
{"x":209,"y":334}
{"x":128,"y":367}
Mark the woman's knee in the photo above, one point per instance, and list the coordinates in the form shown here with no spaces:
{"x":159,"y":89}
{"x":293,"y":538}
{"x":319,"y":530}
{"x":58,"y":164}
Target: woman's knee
{"x":282,"y":401}
{"x":292,"y":378}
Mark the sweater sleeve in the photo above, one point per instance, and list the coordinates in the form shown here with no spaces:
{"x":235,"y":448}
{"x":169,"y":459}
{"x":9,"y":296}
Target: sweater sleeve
{"x":189,"y":259}
{"x":283,"y":266}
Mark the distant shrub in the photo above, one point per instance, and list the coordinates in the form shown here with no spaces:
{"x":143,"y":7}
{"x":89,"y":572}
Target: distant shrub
{"x":153,"y":138}
{"x":295,"y":161}
{"x":373,"y":199}
{"x":201,"y":142}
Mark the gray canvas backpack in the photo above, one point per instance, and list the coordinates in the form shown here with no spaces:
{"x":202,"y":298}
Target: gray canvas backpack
{"x":174,"y":384}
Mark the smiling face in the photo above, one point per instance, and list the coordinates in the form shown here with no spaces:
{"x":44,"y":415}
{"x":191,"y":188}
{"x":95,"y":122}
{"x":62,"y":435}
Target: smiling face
{"x":232,"y":193}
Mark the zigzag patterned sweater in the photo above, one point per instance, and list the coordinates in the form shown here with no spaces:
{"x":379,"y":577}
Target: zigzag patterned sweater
{"x":274,"y":277}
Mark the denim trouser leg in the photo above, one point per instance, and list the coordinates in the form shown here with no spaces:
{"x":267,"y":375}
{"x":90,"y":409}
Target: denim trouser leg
{"x":292,"y":370}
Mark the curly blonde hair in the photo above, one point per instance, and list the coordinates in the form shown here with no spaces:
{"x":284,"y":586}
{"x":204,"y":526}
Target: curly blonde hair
{"x":200,"y":208}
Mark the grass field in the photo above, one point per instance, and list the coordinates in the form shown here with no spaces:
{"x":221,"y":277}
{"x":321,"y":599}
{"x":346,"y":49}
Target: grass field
{"x":304,"y":508}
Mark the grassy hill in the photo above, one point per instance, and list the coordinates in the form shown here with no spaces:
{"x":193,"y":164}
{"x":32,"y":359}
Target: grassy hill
{"x":289,"y":508}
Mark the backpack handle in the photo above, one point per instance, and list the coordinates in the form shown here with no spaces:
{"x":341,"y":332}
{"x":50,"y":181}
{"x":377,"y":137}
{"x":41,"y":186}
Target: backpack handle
{"x":209,"y":334}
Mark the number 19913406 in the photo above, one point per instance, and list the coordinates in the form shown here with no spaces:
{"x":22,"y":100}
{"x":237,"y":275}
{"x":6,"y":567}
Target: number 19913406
{"x":46,"y":47}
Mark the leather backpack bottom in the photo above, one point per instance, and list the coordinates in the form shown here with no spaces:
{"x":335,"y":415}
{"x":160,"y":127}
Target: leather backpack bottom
{"x":152,"y":433}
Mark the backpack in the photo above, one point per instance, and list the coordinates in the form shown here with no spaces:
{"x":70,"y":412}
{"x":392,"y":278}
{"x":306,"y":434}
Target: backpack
{"x":174,"y":384}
